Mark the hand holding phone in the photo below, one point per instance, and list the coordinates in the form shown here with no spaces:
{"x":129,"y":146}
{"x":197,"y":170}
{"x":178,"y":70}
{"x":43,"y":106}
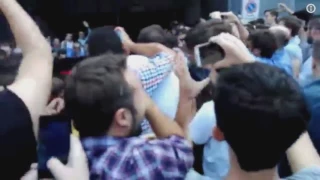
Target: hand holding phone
{"x":208,"y":54}
{"x":54,"y":141}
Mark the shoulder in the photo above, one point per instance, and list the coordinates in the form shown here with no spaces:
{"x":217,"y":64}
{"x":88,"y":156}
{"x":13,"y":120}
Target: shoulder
{"x":143,"y":158}
{"x":311,"y":173}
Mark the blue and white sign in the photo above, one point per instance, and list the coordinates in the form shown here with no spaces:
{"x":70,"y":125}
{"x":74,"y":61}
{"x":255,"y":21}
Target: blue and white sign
{"x":250,"y":9}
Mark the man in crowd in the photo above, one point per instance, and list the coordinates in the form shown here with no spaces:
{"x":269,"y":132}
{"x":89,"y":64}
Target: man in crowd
{"x":111,"y":95}
{"x":263,"y":102}
{"x":293,"y":46}
{"x":82,"y":39}
{"x":270,"y":17}
{"x":151,"y":73}
{"x":311,"y":90}
{"x":313,"y":35}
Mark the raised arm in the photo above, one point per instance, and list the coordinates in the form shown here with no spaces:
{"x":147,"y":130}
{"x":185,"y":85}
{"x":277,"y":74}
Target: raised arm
{"x":33,"y":82}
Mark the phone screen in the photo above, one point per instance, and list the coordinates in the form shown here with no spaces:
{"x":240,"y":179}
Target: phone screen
{"x":208,"y":53}
{"x":54,"y":141}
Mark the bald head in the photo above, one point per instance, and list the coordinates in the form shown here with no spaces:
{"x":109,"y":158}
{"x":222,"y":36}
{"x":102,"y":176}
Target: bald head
{"x":282,"y":35}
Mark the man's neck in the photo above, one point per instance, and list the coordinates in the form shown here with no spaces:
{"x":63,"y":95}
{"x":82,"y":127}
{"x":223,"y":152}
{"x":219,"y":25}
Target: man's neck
{"x":236,"y":173}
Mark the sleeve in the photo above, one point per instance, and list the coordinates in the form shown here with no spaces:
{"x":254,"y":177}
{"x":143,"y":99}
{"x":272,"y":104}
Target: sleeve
{"x":18,"y":143}
{"x":200,"y":128}
{"x":153,"y":73}
{"x":311,"y":173}
{"x":172,"y":155}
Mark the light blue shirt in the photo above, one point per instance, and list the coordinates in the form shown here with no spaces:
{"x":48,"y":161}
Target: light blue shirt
{"x":280,"y":59}
{"x":306,"y":71}
{"x":216,"y":154}
{"x":294,"y":50}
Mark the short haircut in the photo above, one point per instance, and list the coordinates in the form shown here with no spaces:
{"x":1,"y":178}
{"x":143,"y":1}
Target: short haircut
{"x":261,"y":111}
{"x":273,"y":12}
{"x":9,"y":67}
{"x":95,"y":90}
{"x":204,"y":31}
{"x":265,"y":41}
{"x":155,"y":33}
{"x":104,"y":39}
{"x":316,"y":51}
{"x":292,"y":23}
{"x":282,"y":38}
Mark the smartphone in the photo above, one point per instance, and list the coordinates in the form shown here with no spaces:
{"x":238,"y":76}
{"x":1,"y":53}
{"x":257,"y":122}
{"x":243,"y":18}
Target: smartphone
{"x":54,"y":141}
{"x":208,"y":53}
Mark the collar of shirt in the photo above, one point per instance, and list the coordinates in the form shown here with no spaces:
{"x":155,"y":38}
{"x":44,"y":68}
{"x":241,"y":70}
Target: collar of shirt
{"x":295,"y":40}
{"x":103,"y":141}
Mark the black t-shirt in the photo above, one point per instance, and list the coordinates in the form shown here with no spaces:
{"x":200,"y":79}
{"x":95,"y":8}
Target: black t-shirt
{"x":17,"y":141}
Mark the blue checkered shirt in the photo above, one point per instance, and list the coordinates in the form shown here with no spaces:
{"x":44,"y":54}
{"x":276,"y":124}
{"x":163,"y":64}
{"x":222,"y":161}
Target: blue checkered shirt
{"x":152,"y":74}
{"x":137,"y":158}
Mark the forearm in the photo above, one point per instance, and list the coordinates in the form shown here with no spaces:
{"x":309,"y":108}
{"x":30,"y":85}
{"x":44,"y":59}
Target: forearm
{"x":162,"y":126}
{"x":25,"y":31}
{"x":149,"y":49}
{"x":243,"y":32}
{"x":302,"y":154}
{"x":187,"y":109}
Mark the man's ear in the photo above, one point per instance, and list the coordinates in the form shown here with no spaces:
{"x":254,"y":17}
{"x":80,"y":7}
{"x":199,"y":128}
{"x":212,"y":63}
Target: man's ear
{"x":122,"y":117}
{"x":256,"y":52}
{"x":217,"y":134}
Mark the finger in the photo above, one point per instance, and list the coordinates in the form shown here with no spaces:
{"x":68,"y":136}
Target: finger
{"x":30,"y":175}
{"x":77,"y":157}
{"x":226,"y":45}
{"x":222,"y":64}
{"x":60,"y":105}
{"x":57,"y":169}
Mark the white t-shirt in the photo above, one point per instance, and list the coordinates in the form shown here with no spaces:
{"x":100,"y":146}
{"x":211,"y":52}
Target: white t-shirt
{"x":166,"y":96}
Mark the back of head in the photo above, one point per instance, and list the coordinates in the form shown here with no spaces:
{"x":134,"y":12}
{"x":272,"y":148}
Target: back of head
{"x":156,"y":33}
{"x":9,"y":67}
{"x":282,"y":35}
{"x":292,"y":23}
{"x":94,"y":91}
{"x":264,"y":41}
{"x":272,"y":12}
{"x":261,"y":112}
{"x":202,"y":32}
{"x":104,"y":39}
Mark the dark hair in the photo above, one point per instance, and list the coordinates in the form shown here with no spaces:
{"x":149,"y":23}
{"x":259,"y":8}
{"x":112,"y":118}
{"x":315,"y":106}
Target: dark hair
{"x":282,"y":38}
{"x":261,"y":111}
{"x":95,"y":90}
{"x":104,"y":39}
{"x":9,"y":67}
{"x":203,"y":31}
{"x":155,"y":33}
{"x":316,"y":51}
{"x":273,"y":12}
{"x":265,"y":41}
{"x":292,"y":23}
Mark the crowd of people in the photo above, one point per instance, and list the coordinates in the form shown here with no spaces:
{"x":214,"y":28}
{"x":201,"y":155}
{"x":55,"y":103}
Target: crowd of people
{"x":141,"y":110}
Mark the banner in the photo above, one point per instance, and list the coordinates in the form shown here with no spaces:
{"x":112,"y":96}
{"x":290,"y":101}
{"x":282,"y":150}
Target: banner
{"x":250,"y":9}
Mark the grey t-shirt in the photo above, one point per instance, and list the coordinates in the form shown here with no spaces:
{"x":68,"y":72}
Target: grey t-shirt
{"x":312,"y":173}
